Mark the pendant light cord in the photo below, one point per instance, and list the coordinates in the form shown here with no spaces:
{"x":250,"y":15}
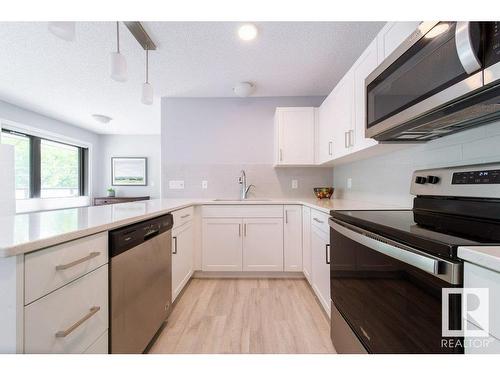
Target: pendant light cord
{"x":118,"y":36}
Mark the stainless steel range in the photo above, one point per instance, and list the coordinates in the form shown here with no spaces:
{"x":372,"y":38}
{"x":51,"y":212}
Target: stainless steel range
{"x":388,"y":268}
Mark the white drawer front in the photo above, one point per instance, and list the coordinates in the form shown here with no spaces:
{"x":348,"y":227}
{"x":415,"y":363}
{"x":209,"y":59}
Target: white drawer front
{"x":478,"y":277}
{"x":320,"y":220}
{"x":183,"y":216}
{"x":235,"y":210}
{"x":100,"y":346}
{"x":54,"y":267}
{"x":64,"y":308}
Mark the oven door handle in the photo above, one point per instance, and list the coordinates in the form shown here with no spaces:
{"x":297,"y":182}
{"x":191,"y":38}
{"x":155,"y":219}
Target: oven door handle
{"x":404,"y":254}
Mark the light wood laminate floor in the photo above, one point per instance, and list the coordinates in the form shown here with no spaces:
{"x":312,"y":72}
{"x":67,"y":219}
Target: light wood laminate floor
{"x":246,"y":316}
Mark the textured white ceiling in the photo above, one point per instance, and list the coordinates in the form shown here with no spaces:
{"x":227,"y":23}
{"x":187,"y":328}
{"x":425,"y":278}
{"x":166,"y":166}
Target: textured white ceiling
{"x":70,"y":80}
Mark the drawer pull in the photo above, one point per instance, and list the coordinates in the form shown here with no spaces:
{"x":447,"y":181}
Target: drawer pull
{"x":92,"y":312}
{"x":63,"y":267}
{"x":318,"y":220}
{"x":185,"y":216}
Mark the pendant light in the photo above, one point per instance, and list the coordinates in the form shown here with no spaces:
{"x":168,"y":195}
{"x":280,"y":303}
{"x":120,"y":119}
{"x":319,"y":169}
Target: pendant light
{"x":64,"y":30}
{"x":147,"y":89}
{"x":117,"y":60}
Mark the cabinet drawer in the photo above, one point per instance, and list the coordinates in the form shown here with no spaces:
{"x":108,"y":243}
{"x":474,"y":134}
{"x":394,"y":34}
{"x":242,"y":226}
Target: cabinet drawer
{"x":70,"y":319}
{"x":320,"y":220}
{"x":479,"y":277}
{"x":54,"y":267}
{"x":100,"y":346}
{"x":183,"y":216}
{"x":235,"y":210}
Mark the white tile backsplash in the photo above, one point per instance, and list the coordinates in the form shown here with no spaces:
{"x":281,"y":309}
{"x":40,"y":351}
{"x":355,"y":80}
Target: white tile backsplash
{"x":386,"y":179}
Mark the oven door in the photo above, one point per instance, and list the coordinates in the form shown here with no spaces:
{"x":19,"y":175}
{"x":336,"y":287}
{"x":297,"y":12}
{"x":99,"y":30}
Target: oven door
{"x":389,"y":294}
{"x":438,"y":63}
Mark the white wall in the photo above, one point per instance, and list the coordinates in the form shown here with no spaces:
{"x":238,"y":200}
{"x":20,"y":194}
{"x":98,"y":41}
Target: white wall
{"x":213,"y":138}
{"x":386,"y":179}
{"x":130,"y":145}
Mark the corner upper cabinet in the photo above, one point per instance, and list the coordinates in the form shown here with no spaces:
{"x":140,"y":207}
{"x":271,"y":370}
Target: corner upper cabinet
{"x":295,"y":129}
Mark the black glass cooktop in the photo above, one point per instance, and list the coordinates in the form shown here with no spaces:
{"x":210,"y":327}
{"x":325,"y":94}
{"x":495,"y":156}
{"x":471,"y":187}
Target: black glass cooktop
{"x":441,"y":236}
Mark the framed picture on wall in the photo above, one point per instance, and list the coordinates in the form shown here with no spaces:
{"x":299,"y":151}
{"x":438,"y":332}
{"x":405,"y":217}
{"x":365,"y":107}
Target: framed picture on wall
{"x":128,"y":171}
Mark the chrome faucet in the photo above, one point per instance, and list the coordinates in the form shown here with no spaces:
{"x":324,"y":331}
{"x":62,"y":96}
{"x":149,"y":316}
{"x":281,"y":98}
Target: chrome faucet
{"x":242,"y":180}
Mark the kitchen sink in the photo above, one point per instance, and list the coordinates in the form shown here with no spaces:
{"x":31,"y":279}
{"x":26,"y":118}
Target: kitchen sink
{"x":240,"y":200}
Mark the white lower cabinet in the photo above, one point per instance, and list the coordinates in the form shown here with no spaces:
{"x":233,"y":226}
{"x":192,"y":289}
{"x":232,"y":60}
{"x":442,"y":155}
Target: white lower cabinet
{"x":70,"y":319}
{"x":263,"y":244}
{"x":306,"y":243}
{"x":320,"y":268}
{"x":222,"y":244}
{"x":292,"y":237}
{"x":100,"y":346}
{"x":182,"y":257}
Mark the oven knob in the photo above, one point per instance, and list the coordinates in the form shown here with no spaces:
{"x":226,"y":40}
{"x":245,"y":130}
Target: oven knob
{"x":420,"y":180}
{"x":432,"y":179}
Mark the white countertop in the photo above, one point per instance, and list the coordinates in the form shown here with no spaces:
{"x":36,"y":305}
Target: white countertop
{"x":484,"y":256}
{"x":28,"y":232}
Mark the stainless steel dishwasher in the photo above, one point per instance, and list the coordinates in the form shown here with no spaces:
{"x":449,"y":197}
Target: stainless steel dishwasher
{"x":140,"y":283}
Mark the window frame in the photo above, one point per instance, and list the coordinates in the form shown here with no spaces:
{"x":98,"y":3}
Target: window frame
{"x":35,"y":181}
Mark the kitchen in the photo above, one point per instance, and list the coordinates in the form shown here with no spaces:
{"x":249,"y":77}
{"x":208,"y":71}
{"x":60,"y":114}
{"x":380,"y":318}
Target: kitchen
{"x":266,"y":214}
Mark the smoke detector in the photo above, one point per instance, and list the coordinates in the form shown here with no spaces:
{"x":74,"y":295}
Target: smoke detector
{"x":244,"y":89}
{"x":103,"y":119}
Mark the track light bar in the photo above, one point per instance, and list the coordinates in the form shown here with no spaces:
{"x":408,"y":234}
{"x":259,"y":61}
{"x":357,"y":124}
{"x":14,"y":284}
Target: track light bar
{"x":137,"y":30}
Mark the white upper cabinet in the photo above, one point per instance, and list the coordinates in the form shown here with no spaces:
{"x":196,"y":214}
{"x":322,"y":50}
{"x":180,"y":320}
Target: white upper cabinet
{"x":295,"y":135}
{"x":326,"y":119}
{"x":392,"y":35}
{"x":343,"y":124}
{"x":366,"y":64}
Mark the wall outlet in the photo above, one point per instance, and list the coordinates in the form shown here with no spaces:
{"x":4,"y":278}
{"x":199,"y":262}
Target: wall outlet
{"x":176,"y":184}
{"x":295,"y":184}
{"x":204,"y":184}
{"x":349,"y":183}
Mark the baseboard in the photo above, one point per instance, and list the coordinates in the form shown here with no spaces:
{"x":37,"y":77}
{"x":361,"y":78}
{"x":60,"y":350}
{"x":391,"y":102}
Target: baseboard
{"x":247,"y":275}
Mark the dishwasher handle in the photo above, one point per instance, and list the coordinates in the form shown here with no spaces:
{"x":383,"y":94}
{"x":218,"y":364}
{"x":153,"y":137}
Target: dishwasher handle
{"x":151,"y":233}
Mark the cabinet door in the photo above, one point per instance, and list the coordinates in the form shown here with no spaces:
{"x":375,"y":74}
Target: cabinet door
{"x":392,"y":35}
{"x":343,"y":125}
{"x":296,"y":135}
{"x":182,"y":257}
{"x":362,"y":68}
{"x":292,"y":238}
{"x":320,"y":267}
{"x":222,"y":245}
{"x":263,"y":244}
{"x":326,"y":118}
{"x":306,"y":243}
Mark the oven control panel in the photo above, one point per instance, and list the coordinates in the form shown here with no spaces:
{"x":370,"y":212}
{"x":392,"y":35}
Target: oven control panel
{"x":481,"y":181}
{"x":476,"y":177}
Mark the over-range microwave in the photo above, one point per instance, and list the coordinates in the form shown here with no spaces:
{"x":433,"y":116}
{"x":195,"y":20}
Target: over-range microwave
{"x":444,"y":78}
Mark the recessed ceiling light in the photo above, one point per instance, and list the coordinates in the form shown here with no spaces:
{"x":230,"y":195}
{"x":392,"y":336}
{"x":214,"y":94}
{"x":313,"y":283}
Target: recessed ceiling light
{"x":101,"y":118}
{"x":247,"y":31}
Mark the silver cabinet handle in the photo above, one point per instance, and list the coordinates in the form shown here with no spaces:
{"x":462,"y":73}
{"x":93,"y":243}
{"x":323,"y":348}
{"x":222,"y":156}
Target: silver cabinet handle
{"x":346,"y":139}
{"x":62,"y":267}
{"x":92,"y":312}
{"x":239,"y":230}
{"x":465,"y":49}
{"x":318,"y":220}
{"x":330,"y":148}
{"x":281,"y":154}
{"x":175,"y":245}
{"x":286,"y":216}
{"x":327,"y":253}
{"x":245,"y":229}
{"x":351,"y":138}
{"x":185,"y":216}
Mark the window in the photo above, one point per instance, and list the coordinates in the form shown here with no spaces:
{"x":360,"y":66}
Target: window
{"x":46,"y":168}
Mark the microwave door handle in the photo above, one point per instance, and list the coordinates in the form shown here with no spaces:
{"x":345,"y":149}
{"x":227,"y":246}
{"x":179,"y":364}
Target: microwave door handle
{"x":465,"y":49}
{"x":423,"y":262}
